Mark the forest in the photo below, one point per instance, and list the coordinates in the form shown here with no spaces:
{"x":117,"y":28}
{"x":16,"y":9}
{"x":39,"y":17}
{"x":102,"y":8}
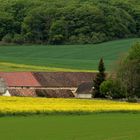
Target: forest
{"x":68,"y":22}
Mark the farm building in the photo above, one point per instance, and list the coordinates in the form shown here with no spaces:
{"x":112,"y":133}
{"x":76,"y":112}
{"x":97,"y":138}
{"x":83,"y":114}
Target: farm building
{"x":64,"y":83}
{"x":85,"y":90}
{"x":20,"y":83}
{"x":20,"y":79}
{"x":45,"y":84}
{"x":3,"y":86}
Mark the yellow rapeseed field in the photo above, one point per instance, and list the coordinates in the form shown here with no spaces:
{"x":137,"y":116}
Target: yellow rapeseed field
{"x":22,"y":105}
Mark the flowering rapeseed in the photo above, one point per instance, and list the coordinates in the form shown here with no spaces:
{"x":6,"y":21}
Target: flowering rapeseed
{"x":19,"y":105}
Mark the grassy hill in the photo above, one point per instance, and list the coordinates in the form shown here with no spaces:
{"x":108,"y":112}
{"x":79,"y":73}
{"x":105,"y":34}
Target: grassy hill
{"x":62,"y":57}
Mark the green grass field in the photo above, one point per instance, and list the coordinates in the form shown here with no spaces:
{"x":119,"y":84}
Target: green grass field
{"x":102,"y":126}
{"x":63,"y":57}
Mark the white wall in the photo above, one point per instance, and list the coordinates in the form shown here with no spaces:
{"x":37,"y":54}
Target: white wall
{"x":84,"y":96}
{"x":7,"y":93}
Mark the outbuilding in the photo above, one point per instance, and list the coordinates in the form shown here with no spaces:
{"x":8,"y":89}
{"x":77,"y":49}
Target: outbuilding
{"x":85,"y":90}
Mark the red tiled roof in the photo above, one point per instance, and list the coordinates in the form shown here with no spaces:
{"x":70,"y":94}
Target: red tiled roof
{"x":18,"y":79}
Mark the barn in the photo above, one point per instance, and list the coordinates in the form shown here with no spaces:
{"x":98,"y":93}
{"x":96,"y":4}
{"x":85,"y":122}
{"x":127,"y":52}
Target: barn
{"x":20,"y":83}
{"x":45,"y":84}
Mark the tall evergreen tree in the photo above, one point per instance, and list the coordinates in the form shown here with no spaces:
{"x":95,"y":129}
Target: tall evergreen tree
{"x":100,"y":77}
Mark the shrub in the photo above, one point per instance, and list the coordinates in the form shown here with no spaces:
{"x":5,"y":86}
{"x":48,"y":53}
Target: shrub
{"x":18,"y":39}
{"x":83,"y":39}
{"x":98,"y":37}
{"x":57,"y":39}
{"x":7,"y":38}
{"x":79,"y":39}
{"x":73,"y":39}
{"x":106,"y":88}
{"x":133,"y":99}
{"x":112,"y":89}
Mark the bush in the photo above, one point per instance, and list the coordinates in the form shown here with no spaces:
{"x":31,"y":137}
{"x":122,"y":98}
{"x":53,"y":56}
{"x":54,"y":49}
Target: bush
{"x":83,"y":39}
{"x":112,"y":89}
{"x":98,"y":37}
{"x":7,"y":38}
{"x":57,"y":39}
{"x":18,"y":39}
{"x":73,"y":39}
{"x":133,"y":99}
{"x":106,"y":87}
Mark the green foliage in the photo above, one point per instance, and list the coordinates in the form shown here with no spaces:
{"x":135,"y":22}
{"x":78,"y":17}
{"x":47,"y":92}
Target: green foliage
{"x":100,"y":77}
{"x":134,"y":53}
{"x":7,"y":38}
{"x":6,"y":24}
{"x":58,"y":32}
{"x":69,"y":22}
{"x":112,"y":89}
{"x":126,"y":82}
{"x":129,"y":72}
{"x":18,"y":39}
{"x":36,"y":26}
{"x":106,"y":88}
{"x":98,"y":37}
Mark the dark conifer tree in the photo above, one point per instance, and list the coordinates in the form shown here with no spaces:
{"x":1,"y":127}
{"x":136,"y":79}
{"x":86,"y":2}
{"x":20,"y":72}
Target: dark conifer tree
{"x":100,"y":77}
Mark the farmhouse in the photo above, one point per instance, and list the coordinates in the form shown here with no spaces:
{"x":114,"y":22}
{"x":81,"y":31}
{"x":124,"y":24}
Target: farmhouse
{"x":45,"y":84}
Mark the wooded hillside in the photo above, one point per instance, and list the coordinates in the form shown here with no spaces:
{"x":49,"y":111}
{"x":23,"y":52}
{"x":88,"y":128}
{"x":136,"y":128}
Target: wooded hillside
{"x":68,"y":22}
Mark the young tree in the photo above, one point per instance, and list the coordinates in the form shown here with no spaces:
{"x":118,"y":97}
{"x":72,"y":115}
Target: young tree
{"x":100,"y":77}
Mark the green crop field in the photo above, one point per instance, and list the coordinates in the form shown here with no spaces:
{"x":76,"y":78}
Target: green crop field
{"x":102,"y":126}
{"x":62,"y":57}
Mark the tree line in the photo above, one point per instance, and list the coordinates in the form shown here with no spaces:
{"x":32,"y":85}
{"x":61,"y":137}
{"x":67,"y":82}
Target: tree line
{"x":68,"y":22}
